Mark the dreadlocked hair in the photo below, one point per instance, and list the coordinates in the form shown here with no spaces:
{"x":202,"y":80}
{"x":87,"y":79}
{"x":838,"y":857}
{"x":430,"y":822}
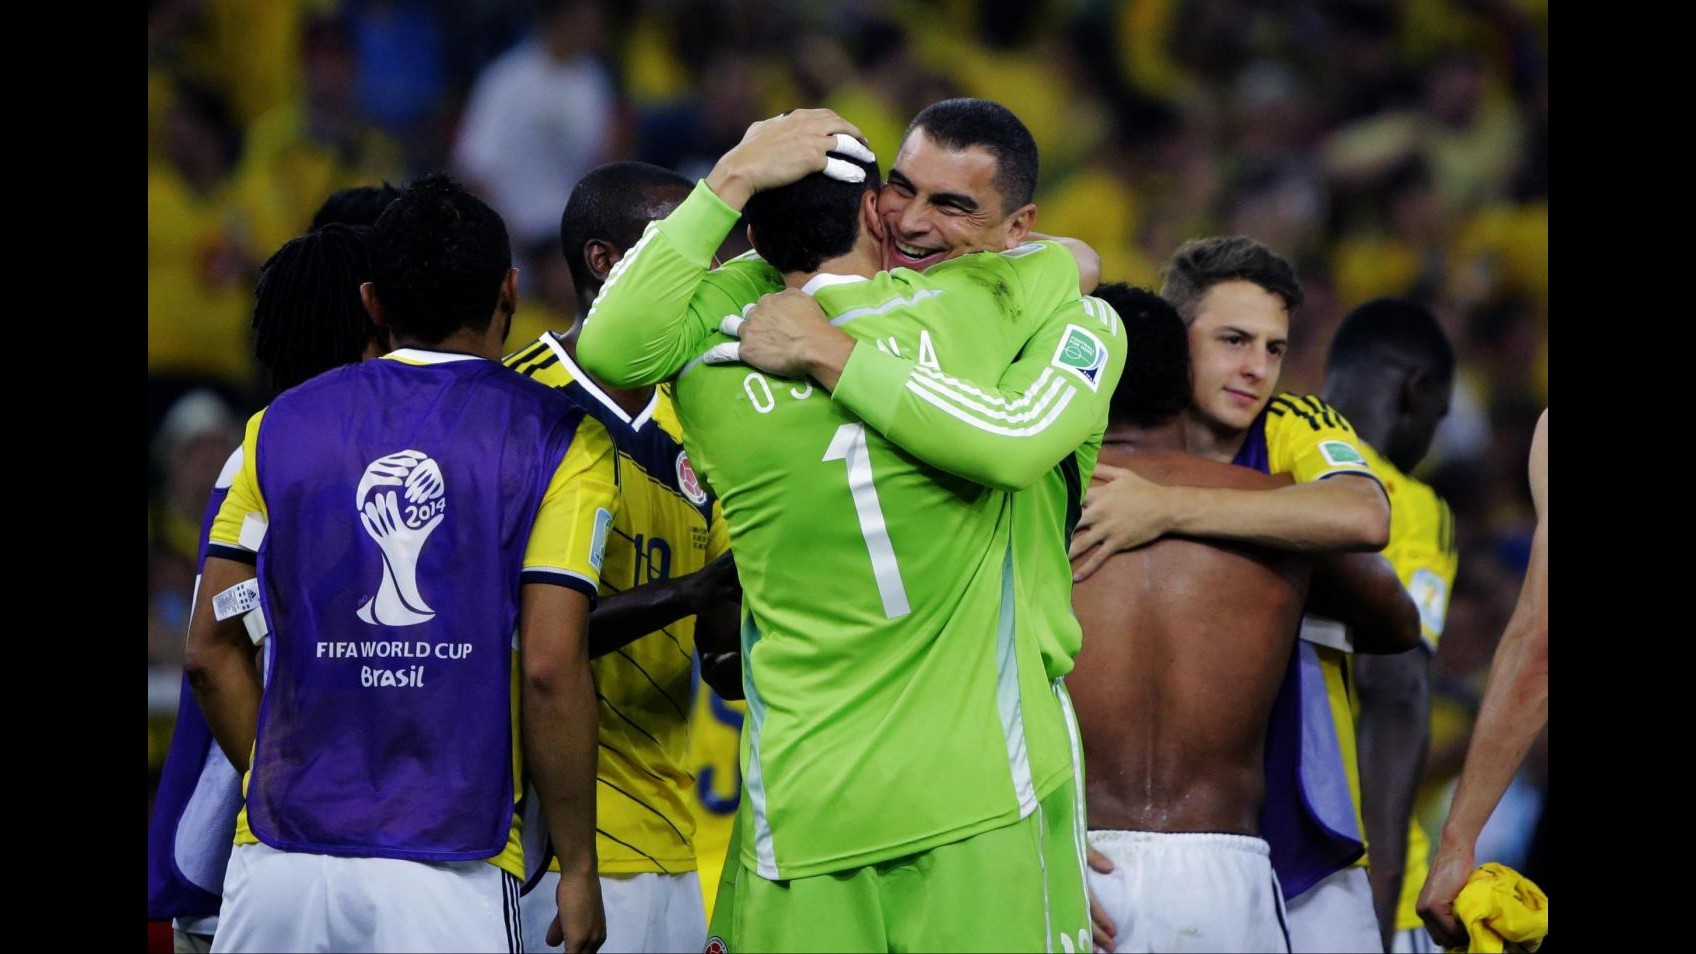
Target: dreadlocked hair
{"x":307,"y":314}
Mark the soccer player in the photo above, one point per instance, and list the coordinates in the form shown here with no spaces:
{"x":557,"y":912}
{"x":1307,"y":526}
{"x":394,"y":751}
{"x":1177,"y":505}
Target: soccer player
{"x":1186,"y":646}
{"x":642,"y":635}
{"x":387,"y":543}
{"x":1514,"y":711}
{"x":963,"y":181}
{"x":1390,"y":371}
{"x":1236,"y":296}
{"x":875,"y":380}
{"x":307,"y":318}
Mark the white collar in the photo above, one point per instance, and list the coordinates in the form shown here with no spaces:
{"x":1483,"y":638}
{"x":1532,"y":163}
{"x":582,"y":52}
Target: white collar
{"x":421,"y":356}
{"x":589,"y":385}
{"x":824,"y":279}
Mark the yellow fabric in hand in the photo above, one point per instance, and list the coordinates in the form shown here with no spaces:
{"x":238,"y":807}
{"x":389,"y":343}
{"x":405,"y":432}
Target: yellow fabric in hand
{"x":1503,"y":911}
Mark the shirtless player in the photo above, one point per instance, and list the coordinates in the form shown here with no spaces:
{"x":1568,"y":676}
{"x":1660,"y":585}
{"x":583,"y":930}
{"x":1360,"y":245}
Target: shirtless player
{"x":1174,"y":719}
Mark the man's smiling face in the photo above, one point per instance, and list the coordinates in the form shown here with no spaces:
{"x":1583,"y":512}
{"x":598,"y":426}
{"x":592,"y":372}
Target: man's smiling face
{"x":939,"y":203}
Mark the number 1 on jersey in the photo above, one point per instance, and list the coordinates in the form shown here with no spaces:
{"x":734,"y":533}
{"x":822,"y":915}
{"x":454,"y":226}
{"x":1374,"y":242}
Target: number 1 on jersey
{"x":849,"y":445}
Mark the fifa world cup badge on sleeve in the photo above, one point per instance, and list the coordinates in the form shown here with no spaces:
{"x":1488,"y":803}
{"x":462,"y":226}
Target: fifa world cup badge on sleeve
{"x":598,"y":543}
{"x":1339,"y":452}
{"x":1431,"y":595}
{"x":1083,"y":354}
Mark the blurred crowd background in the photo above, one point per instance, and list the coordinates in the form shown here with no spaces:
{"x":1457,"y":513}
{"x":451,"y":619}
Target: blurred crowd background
{"x":1387,"y":147}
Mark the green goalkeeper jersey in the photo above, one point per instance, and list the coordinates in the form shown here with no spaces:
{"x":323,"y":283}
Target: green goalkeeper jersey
{"x":897,"y":697}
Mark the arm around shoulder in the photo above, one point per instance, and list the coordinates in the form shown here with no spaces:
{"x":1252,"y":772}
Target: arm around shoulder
{"x":1344,"y":512}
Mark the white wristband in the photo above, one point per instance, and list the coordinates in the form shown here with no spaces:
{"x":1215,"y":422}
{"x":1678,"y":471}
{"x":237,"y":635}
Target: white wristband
{"x":236,"y":600}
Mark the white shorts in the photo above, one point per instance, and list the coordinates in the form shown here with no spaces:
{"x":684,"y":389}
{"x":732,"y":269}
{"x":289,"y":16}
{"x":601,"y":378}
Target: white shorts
{"x":1335,"y":915}
{"x":645,"y":912}
{"x":1413,"y":941}
{"x":293,"y":901}
{"x":1190,"y":892}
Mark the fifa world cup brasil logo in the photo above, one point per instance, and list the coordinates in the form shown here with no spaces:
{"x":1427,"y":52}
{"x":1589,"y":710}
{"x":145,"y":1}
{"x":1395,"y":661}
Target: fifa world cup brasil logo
{"x":400,"y":520}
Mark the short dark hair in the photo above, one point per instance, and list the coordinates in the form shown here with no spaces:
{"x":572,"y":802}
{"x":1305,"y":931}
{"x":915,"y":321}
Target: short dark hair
{"x":360,"y":205}
{"x":1200,"y":264}
{"x":611,"y":203}
{"x":307,"y":315}
{"x":1392,"y":331}
{"x":798,"y":226}
{"x":958,"y":124}
{"x":1155,"y":385}
{"x":438,"y":257}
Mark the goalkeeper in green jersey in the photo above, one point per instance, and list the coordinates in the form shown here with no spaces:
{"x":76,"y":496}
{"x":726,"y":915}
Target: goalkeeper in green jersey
{"x":882,"y":607}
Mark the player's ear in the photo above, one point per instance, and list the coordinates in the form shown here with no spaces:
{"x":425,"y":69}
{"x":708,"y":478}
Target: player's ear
{"x":869,"y":219}
{"x":509,"y":291}
{"x":373,"y":307}
{"x":601,"y":256}
{"x":1413,"y":393}
{"x":1019,"y":225}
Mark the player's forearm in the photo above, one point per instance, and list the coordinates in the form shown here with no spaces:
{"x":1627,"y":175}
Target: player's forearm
{"x":560,"y":723}
{"x":221,"y":666}
{"x":729,"y":181}
{"x":640,"y":330}
{"x":1516,"y":702}
{"x":828,"y":356}
{"x":559,"y":718}
{"x":1514,"y":711}
{"x":718,"y":627}
{"x":1392,"y":731}
{"x":1362,"y":591}
{"x":1340,"y":513}
{"x":1002,"y":435}
{"x":622,"y":618}
{"x":227,"y":688}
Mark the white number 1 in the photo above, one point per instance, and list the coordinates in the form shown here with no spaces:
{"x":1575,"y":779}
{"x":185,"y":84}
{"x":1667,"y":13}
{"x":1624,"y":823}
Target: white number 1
{"x":849,"y":444}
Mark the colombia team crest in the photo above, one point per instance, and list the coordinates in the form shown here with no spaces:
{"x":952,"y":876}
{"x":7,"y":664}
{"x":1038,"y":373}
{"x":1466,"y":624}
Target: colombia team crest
{"x":686,"y":479}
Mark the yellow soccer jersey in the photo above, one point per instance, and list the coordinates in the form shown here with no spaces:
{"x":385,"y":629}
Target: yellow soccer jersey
{"x":1307,"y":439}
{"x":667,"y":525}
{"x":1422,"y":549}
{"x":560,"y":539}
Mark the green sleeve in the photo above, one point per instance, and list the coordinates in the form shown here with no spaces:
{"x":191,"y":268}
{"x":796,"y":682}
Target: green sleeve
{"x":1046,"y":273}
{"x":658,"y":308}
{"x":1005,"y":434}
{"x":1042,"y":275}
